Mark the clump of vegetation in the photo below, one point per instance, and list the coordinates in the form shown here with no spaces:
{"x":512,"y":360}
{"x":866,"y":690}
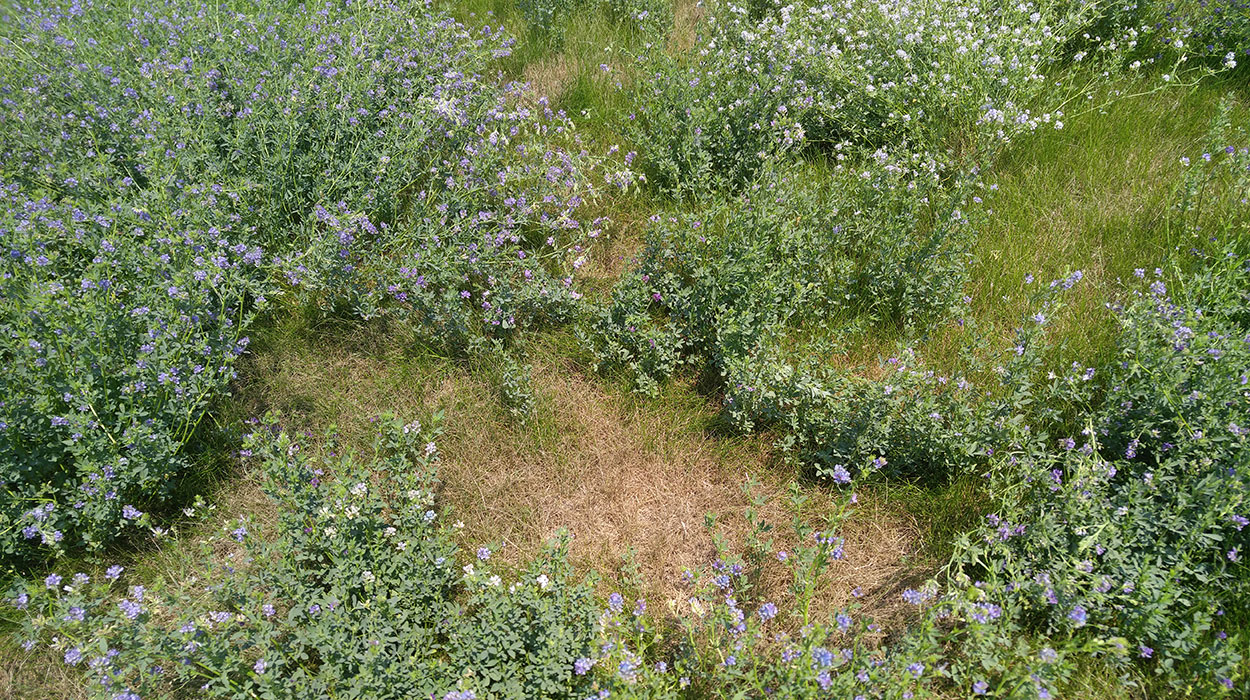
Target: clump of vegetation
{"x":168,"y":172}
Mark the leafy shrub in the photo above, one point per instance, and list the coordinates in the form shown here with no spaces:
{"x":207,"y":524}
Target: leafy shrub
{"x":1132,"y":532}
{"x":548,"y":19}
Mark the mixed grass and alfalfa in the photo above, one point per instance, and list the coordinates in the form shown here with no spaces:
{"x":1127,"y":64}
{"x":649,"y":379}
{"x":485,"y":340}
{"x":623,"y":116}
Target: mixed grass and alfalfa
{"x":332,"y":177}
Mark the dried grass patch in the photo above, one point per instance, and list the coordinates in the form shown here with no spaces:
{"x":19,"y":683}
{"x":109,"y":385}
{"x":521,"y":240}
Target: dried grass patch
{"x":639,"y":481}
{"x":686,"y":17}
{"x":551,"y":75}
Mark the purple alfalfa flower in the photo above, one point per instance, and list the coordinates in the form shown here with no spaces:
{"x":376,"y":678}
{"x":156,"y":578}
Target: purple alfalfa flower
{"x":980,"y":688}
{"x":616,"y":602}
{"x":767,"y":611}
{"x":130,"y":608}
{"x":1239,"y":521}
{"x":21,"y":601}
{"x":844,"y":621}
{"x":52,"y":581}
{"x":782,"y":556}
{"x":1234,"y":555}
{"x":825,"y":680}
{"x":913,"y":596}
{"x":916,"y":670}
{"x":582,"y":666}
{"x":1078,"y":616}
{"x":114,"y":572}
{"x":841,"y":475}
{"x":1227,"y":683}
{"x":239,"y":533}
{"x":627,"y":669}
{"x":821,"y":657}
{"x":73,"y":656}
{"x":75,"y":614}
{"x":129,"y":512}
{"x":640,"y":608}
{"x":483,"y":553}
{"x":259,"y":666}
{"x":267,"y":609}
{"x":1146,"y":652}
{"x":1158,"y":289}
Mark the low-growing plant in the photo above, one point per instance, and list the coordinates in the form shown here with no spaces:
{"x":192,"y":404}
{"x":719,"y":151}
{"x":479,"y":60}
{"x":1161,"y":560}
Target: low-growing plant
{"x":951,"y":82}
{"x":358,"y":590}
{"x":118,"y":327}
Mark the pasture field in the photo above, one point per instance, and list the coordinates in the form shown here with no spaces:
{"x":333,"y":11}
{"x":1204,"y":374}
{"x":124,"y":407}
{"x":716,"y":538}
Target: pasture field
{"x":475,"y":349}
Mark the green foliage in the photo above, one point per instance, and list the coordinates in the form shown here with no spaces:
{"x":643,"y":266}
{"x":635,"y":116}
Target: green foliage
{"x":727,"y":292}
{"x":357,"y":591}
{"x":118,"y":327}
{"x":165,"y":169}
{"x":947,"y":81}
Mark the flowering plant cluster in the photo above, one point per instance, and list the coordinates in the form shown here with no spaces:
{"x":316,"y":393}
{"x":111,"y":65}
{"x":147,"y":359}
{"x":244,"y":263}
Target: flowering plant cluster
{"x":120,"y":326}
{"x":953,"y":80}
{"x":358,"y":589}
{"x":168,"y":171}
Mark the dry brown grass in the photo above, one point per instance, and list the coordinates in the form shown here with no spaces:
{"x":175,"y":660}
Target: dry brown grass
{"x":38,"y":675}
{"x":550,"y":75}
{"x":626,"y":478}
{"x":686,"y":17}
